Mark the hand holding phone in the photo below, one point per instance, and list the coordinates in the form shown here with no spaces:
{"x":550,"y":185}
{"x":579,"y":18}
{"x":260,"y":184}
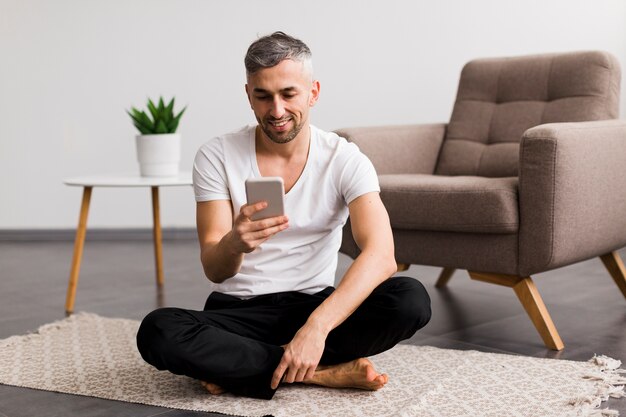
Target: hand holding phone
{"x":269,"y":189}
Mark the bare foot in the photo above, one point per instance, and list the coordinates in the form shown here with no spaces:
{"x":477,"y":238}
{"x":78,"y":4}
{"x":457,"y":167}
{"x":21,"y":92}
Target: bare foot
{"x":212,"y":388}
{"x":359,"y":373}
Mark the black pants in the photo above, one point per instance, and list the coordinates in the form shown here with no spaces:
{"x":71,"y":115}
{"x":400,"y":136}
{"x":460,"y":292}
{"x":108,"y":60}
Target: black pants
{"x":236,"y":343}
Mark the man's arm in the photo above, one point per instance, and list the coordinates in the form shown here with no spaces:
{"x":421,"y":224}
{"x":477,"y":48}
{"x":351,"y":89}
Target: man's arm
{"x":223,"y":243}
{"x":376,"y":263}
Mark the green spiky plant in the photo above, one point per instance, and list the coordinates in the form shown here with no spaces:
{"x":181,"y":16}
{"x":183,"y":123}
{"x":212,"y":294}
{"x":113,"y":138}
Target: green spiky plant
{"x":162,"y":121}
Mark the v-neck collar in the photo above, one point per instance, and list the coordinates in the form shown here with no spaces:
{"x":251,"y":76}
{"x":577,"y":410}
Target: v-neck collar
{"x":301,"y":178}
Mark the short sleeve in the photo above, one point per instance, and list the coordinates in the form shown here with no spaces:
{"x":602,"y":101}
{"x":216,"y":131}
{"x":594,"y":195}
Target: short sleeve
{"x":209,"y":175}
{"x":357,"y":174}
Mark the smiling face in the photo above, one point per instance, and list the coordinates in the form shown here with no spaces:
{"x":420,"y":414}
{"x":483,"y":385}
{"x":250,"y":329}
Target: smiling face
{"x":281,"y":97}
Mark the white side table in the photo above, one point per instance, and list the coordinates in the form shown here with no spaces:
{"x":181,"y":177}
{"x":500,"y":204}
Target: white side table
{"x":118,"y":180}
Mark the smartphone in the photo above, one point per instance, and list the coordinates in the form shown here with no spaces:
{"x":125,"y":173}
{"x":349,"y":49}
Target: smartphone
{"x":270,"y":189}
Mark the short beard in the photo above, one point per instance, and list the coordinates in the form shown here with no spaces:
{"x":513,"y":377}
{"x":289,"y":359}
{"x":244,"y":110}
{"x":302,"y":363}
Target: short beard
{"x":291,"y":135}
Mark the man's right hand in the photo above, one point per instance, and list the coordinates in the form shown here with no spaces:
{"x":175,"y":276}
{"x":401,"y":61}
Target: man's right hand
{"x":248,"y":234}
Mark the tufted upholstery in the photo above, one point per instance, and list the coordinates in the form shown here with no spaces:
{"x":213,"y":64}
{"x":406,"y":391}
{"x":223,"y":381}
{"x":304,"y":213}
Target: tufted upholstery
{"x":499,"y":99}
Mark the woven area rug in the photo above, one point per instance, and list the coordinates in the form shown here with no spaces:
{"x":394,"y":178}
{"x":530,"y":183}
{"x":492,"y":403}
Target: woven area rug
{"x":94,"y":356}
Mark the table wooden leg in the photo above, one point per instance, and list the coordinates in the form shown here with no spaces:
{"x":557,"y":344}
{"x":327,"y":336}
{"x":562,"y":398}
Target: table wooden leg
{"x":79,"y":243}
{"x":158,"y":248}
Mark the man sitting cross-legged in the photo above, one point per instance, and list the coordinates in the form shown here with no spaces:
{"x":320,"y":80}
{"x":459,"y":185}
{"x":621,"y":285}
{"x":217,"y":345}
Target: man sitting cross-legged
{"x":273,"y":316}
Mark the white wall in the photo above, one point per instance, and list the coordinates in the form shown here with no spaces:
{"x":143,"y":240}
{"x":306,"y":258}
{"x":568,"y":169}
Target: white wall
{"x":69,"y":69}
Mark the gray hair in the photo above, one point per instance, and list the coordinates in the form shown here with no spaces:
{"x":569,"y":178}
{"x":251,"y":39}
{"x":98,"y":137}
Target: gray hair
{"x":271,"y":50}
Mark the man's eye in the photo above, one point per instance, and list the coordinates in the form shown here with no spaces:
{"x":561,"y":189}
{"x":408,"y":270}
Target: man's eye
{"x":262,"y":97}
{"x":289,"y":96}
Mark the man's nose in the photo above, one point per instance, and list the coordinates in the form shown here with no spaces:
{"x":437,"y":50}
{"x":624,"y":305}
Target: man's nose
{"x":278,"y":109}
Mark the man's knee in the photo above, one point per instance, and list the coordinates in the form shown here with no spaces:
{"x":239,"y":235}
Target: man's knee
{"x":412,"y":303}
{"x":154,"y":337}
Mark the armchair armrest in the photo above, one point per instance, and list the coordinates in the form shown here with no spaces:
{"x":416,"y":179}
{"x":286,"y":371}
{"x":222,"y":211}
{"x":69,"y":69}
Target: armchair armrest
{"x":408,"y":149}
{"x":572,"y":193}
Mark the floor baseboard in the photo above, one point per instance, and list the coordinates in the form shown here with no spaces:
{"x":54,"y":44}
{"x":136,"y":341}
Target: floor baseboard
{"x":61,"y":235}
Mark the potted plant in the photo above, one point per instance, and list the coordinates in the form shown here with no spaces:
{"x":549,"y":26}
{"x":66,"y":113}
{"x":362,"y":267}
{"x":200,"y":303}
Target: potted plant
{"x":158,"y":145}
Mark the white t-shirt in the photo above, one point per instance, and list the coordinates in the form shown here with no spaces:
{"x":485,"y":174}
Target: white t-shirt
{"x":302,"y":257}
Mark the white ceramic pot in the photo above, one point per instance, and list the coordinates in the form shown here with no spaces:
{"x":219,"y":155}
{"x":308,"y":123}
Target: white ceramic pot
{"x":158,"y":155}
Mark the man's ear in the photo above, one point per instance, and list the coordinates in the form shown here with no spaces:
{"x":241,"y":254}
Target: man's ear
{"x":315,"y":93}
{"x":248,"y":95}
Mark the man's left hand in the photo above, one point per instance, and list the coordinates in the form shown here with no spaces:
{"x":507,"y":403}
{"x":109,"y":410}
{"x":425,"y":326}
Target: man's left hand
{"x":301,"y":357}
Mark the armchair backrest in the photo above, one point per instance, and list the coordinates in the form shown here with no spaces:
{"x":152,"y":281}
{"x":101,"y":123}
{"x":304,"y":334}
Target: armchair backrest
{"x":500,"y":98}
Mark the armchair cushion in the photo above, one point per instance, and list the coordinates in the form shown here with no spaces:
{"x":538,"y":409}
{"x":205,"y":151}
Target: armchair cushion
{"x":451,"y":204}
{"x":498,"y":99}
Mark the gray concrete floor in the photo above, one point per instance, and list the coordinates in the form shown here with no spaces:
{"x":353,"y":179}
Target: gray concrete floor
{"x":117,"y":280}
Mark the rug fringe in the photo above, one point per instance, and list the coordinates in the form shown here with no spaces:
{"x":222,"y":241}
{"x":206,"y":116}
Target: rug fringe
{"x":609,"y":384}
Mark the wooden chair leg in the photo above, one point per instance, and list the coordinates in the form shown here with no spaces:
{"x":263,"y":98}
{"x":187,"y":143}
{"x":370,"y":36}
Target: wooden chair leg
{"x":79,"y":243}
{"x":403,"y":267}
{"x":615,"y":266}
{"x":156,"y":231}
{"x":444,"y":277}
{"x":532,"y":302}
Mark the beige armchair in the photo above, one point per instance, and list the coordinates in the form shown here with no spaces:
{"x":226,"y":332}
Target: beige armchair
{"x":529,"y":175}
